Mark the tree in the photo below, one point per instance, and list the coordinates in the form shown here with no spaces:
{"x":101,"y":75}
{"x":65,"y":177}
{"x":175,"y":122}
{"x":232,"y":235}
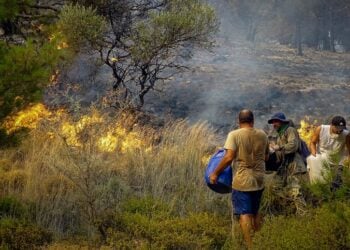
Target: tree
{"x":342,"y":26}
{"x":144,"y":39}
{"x":27,"y":61}
{"x":26,"y":65}
{"x":333,"y":18}
{"x":254,"y":13}
{"x":25,"y":70}
{"x":82,"y":27}
{"x":317,"y":23}
{"x":297,"y":12}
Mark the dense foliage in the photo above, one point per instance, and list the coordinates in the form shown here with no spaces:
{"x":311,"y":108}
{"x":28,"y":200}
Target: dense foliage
{"x":17,"y":229}
{"x":25,"y":70}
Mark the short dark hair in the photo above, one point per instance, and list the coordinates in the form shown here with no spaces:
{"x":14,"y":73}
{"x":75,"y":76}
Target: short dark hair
{"x":245,"y":116}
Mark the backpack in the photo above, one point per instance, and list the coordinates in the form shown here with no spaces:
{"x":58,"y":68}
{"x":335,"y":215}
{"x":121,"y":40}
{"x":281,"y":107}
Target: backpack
{"x":224,"y":181}
{"x":303,"y":150}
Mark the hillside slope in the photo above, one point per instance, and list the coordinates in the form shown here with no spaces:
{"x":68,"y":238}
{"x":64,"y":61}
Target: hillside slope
{"x":264,"y":77}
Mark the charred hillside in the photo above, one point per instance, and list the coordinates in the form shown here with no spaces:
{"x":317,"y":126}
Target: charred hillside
{"x":265,"y":74}
{"x":265,"y":77}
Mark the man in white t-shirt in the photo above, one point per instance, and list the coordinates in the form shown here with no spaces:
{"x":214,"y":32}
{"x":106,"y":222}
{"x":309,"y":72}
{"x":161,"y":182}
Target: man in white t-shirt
{"x":330,"y":146}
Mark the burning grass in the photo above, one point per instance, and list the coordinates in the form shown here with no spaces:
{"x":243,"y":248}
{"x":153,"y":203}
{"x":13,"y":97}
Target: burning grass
{"x":112,"y":137}
{"x":28,"y":118}
{"x":78,"y":170}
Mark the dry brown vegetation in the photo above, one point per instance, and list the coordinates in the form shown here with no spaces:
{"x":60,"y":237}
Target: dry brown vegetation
{"x":76,"y":188}
{"x":149,"y":194}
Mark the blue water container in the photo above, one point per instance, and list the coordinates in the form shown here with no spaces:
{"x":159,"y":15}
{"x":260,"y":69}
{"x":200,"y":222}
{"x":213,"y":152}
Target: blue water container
{"x":224,"y":181}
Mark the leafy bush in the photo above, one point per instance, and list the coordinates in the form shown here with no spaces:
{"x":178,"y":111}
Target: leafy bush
{"x":320,"y":192}
{"x":11,"y":207}
{"x":81,"y":26}
{"x":16,"y":231}
{"x":12,"y":139}
{"x":323,"y":228}
{"x":18,"y":235}
{"x":25,"y":70}
{"x":8,"y":9}
{"x":149,"y":223}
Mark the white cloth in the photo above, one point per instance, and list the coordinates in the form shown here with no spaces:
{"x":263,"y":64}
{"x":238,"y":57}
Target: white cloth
{"x":332,"y":145}
{"x":317,"y":167}
{"x":331,"y":150}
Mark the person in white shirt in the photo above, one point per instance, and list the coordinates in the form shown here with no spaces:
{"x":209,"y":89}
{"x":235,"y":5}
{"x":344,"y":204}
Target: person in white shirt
{"x":330,"y":146}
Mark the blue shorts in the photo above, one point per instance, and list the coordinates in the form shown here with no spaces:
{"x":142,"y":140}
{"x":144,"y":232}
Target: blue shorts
{"x":246,"y":202}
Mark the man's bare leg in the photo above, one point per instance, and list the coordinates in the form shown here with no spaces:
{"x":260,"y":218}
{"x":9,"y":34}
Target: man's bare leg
{"x":257,"y":222}
{"x":246,"y":221}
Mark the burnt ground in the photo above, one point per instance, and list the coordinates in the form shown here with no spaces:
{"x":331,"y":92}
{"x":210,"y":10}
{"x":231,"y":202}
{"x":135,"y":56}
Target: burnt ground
{"x":265,"y":77}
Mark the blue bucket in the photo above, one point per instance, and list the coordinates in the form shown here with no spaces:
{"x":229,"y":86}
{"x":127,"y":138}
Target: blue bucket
{"x":224,"y":181}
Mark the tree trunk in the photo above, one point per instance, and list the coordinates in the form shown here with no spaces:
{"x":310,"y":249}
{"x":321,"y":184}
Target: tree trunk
{"x":325,"y":28}
{"x":298,"y":38}
{"x":251,"y":31}
{"x":142,"y":100}
{"x":331,"y":31}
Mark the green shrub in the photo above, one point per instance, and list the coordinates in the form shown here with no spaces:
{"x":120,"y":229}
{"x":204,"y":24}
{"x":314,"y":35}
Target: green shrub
{"x":320,"y":192}
{"x":8,"y":9}
{"x":145,"y":206}
{"x":25,"y":70}
{"x":149,"y":224}
{"x":15,"y":234}
{"x":13,"y":139}
{"x":81,"y":26}
{"x":11,"y":207}
{"x":323,"y":228}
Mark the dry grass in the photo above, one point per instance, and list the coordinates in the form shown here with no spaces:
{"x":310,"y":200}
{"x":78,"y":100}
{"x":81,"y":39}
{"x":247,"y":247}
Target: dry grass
{"x":75,"y":187}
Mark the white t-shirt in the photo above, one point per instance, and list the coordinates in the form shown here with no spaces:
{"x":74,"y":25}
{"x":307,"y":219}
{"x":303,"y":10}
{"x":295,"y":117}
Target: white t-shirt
{"x":332,"y":145}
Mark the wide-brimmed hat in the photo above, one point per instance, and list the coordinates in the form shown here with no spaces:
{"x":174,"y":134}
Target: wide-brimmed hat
{"x":279,"y":116}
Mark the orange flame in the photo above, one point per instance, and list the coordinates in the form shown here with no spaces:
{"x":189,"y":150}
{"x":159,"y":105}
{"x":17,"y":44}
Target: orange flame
{"x":54,"y":77}
{"x":115,"y":138}
{"x":71,"y":130}
{"x":307,"y":129}
{"x":62,"y":45}
{"x":57,"y":37}
{"x":27,"y":118}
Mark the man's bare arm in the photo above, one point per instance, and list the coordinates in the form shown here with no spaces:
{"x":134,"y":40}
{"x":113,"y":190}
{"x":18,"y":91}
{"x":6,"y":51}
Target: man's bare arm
{"x":267,"y":157}
{"x":348,"y":144}
{"x":267,"y":151}
{"x":315,"y":140}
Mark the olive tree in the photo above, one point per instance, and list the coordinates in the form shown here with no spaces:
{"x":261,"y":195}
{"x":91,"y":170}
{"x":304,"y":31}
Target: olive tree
{"x":143,"y":40}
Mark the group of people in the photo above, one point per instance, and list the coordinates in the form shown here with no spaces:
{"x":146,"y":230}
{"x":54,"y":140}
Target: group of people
{"x":254,"y":152}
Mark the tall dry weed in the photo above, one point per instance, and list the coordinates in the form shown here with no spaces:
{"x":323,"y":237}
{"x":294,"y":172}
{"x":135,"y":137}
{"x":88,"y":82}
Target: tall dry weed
{"x":76,"y":186}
